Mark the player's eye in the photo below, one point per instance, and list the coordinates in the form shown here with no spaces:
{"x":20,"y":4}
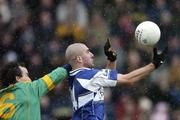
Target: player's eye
{"x":89,"y":50}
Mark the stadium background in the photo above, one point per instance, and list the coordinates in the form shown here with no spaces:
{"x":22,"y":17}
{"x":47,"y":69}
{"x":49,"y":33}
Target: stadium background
{"x":37,"y":32}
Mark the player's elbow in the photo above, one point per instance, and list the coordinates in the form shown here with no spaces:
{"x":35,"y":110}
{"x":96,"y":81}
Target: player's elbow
{"x":124,"y":79}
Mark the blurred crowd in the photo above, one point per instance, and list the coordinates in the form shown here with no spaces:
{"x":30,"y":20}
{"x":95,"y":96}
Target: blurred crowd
{"x":37,"y":33}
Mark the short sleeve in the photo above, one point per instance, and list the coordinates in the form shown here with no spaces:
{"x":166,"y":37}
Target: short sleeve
{"x":105,"y":78}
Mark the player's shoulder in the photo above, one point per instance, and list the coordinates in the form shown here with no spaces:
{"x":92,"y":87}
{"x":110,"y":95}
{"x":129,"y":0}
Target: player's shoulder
{"x":83,"y":70}
{"x":23,"y":85}
{"x":11,"y":88}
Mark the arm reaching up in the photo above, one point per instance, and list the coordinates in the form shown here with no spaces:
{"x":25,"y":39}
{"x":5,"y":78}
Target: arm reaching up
{"x":111,"y":55}
{"x":138,"y":74}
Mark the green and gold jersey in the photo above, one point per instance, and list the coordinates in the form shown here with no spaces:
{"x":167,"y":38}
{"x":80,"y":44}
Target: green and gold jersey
{"x":22,"y":100}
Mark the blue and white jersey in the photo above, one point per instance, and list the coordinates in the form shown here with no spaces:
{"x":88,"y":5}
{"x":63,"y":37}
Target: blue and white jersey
{"x":87,"y":94}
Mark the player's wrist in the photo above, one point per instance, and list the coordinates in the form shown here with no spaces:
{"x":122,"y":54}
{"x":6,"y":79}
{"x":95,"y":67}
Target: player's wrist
{"x":67,"y":67}
{"x":154,"y":65}
{"x":111,"y":59}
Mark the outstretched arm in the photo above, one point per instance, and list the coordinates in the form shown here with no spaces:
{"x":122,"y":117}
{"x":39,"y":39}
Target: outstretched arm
{"x":49,"y":81}
{"x":135,"y":75}
{"x":140,"y":73}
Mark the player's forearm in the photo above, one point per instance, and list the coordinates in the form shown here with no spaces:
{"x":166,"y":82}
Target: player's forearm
{"x":111,"y":65}
{"x":140,"y":73}
{"x":135,"y":75}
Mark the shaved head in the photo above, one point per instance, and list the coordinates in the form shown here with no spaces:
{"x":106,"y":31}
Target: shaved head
{"x":74,"y":50}
{"x":79,"y":55}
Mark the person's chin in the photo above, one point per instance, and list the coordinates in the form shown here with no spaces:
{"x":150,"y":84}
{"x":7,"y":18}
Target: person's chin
{"x":92,"y":65}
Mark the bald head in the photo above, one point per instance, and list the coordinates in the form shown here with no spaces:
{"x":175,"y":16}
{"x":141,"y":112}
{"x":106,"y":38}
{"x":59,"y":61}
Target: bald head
{"x":79,"y":55}
{"x":74,"y":50}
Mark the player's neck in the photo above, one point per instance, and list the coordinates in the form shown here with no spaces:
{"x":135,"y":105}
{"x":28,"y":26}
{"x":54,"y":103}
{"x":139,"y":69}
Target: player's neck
{"x":77,"y":66}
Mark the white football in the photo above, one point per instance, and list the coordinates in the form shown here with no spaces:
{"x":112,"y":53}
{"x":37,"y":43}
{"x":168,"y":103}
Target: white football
{"x":147,"y":33}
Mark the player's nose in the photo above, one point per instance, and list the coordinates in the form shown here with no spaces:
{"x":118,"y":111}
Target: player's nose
{"x":92,"y":55}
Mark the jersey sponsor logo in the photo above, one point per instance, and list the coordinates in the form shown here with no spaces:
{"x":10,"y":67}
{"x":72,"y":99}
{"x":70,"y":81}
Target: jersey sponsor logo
{"x":6,"y":109}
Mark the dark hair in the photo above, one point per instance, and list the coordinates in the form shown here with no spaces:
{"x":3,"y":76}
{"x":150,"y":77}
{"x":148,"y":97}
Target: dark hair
{"x":9,"y":73}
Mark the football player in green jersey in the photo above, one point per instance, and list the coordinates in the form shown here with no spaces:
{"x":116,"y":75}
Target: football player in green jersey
{"x":20,"y":97}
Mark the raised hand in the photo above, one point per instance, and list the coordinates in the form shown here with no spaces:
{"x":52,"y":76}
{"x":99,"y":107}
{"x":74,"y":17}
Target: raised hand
{"x":109,"y":52}
{"x":159,"y":58}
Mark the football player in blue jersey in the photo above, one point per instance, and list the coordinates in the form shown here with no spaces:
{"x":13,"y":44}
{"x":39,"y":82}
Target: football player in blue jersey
{"x":86,"y":83}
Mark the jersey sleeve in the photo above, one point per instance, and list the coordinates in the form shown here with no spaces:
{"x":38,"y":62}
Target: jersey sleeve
{"x":49,"y":81}
{"x":105,"y":78}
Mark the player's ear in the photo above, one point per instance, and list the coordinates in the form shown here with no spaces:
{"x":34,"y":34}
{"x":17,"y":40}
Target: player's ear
{"x":79,"y":59}
{"x":18,"y":79}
